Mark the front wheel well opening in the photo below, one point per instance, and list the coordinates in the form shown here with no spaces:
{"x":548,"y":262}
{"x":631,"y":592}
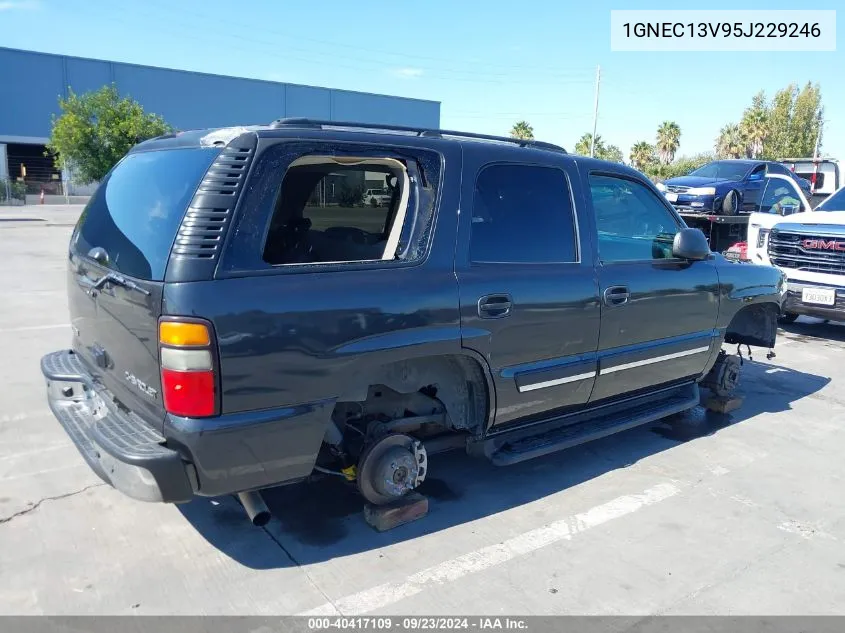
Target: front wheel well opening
{"x":754,"y":325}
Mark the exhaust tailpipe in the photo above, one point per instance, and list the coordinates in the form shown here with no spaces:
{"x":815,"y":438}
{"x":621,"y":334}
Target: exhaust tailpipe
{"x":255,"y":507}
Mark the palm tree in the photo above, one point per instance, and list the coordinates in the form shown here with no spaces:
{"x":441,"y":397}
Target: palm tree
{"x":730,"y":143}
{"x":642,"y":153}
{"x":523,"y":130}
{"x":668,"y":140}
{"x":754,"y":129}
{"x":583,"y":145}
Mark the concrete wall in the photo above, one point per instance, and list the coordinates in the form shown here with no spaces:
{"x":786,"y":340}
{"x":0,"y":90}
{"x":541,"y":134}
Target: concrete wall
{"x":30,"y":84}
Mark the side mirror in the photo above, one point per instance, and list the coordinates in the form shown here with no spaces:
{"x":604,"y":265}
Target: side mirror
{"x":757,"y":176}
{"x":690,"y":244}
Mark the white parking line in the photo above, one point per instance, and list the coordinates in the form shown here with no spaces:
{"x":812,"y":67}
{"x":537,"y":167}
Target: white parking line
{"x":487,"y":557}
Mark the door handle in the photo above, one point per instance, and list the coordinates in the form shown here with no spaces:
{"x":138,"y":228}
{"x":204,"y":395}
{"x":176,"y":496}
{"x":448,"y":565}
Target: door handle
{"x":616,"y":296}
{"x":494,"y":306}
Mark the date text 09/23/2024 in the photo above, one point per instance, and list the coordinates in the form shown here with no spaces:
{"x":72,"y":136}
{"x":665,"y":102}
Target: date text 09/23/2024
{"x":421,"y":623}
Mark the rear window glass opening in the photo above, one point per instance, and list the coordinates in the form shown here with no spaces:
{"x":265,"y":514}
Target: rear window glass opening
{"x":136,"y":211}
{"x":333,"y":209}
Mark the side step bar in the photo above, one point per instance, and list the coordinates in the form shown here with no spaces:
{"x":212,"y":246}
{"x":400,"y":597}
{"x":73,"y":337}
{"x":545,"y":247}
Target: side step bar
{"x":504,"y":451}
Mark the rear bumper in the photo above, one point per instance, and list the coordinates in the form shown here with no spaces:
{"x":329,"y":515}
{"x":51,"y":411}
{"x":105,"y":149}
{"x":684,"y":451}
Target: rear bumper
{"x":230,"y":453}
{"x":793,"y":304}
{"x":123,"y":450}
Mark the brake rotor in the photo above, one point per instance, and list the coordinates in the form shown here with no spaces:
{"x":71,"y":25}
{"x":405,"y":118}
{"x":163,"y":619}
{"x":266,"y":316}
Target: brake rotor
{"x":391,"y":467}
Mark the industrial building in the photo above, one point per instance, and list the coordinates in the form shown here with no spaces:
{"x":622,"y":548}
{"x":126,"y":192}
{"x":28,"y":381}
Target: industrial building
{"x":31,"y":83}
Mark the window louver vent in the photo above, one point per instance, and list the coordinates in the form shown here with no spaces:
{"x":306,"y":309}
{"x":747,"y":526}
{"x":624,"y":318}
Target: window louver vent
{"x":204,"y":225}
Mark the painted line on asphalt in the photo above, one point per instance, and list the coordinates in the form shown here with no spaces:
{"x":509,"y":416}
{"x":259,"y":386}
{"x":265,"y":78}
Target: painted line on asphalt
{"x":30,"y":328}
{"x":493,"y":555}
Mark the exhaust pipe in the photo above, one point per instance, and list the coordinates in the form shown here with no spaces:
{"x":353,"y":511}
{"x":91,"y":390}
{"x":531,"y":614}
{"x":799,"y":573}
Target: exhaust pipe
{"x":255,"y":507}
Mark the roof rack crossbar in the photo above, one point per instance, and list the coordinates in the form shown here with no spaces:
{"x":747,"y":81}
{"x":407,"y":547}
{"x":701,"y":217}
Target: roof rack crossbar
{"x":418,"y":131}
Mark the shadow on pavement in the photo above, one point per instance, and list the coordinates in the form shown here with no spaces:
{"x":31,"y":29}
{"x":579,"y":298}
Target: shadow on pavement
{"x":807,"y":329}
{"x":323,"y":520}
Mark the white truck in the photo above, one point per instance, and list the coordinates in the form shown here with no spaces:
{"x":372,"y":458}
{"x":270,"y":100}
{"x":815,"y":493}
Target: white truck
{"x":823,"y":173}
{"x":807,"y":244}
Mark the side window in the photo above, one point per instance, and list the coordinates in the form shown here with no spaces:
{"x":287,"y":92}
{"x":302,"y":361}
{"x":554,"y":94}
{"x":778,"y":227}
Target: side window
{"x":774,"y":168}
{"x":329,"y":210}
{"x":632,"y":223}
{"x":522,"y":214}
{"x":757,"y":173}
{"x":780,"y":197}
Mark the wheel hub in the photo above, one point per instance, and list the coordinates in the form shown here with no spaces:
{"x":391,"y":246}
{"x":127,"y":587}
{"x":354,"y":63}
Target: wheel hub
{"x":390,"y":468}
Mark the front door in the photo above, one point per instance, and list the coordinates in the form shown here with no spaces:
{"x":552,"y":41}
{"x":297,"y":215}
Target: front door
{"x":658,"y":312}
{"x":753,"y":189}
{"x":529,"y":299}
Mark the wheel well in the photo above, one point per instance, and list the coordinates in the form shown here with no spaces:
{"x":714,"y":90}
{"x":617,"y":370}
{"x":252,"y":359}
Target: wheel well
{"x":754,"y":325}
{"x":459,"y":382}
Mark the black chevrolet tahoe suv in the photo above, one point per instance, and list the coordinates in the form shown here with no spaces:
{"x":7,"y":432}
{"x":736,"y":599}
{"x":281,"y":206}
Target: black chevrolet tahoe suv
{"x":243,"y":319}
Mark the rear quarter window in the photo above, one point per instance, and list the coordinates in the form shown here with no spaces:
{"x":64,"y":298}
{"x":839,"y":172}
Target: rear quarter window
{"x":137,"y":209}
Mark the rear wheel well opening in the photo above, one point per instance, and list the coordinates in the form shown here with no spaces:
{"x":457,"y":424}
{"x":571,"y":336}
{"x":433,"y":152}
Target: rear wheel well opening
{"x":754,"y":325}
{"x":424,"y":397}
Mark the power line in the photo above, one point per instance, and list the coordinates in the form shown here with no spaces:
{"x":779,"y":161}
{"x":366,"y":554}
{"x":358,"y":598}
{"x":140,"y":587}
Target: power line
{"x":382,"y":52}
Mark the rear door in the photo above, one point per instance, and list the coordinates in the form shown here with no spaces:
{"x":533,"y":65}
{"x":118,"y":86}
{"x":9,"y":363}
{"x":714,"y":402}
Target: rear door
{"x":658,"y":313}
{"x":118,"y":255}
{"x":528,"y":292}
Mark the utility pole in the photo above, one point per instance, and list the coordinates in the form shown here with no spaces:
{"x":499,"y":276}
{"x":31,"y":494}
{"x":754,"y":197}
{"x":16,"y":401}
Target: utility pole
{"x":595,"y":113}
{"x":818,"y":137}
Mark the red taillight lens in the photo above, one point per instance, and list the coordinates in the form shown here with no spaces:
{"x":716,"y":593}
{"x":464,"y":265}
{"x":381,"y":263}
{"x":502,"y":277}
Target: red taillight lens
{"x":188,"y":393}
{"x":188,"y":380}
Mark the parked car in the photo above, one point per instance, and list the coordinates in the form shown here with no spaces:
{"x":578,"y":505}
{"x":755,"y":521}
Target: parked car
{"x":726,"y":187}
{"x":809,"y":247}
{"x":228,"y":337}
{"x":376,"y":197}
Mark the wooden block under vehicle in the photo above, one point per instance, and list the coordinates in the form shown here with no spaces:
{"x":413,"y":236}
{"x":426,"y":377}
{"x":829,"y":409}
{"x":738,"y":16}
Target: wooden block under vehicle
{"x":721,"y":404}
{"x":409,"y":508}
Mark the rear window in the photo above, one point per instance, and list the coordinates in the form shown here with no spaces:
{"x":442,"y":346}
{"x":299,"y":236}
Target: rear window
{"x":136,"y":211}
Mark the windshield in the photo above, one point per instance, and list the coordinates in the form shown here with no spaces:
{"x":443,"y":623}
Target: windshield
{"x":136,"y":211}
{"x":834,"y":202}
{"x":727,"y":170}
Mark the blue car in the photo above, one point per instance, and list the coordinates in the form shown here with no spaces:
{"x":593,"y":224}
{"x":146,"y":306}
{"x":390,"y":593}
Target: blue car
{"x":726,"y":187}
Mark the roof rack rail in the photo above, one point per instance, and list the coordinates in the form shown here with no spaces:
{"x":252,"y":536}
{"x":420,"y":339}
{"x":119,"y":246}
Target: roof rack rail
{"x":417,"y":131}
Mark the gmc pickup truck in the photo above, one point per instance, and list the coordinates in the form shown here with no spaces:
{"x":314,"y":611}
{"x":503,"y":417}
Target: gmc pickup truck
{"x":809,"y":247}
{"x":233,"y":331}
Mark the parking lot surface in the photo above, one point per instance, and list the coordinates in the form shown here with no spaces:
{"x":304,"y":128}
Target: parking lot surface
{"x":704,"y":514}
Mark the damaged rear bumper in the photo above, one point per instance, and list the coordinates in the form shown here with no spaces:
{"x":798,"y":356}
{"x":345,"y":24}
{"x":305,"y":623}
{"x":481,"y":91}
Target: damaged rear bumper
{"x":120,"y":447}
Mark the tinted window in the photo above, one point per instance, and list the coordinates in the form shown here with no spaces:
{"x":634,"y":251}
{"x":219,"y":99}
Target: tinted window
{"x":775,"y":168}
{"x":137,"y":209}
{"x":781,"y":197}
{"x":727,"y":170}
{"x":834,"y":202}
{"x":522,"y":214}
{"x":632,"y":223}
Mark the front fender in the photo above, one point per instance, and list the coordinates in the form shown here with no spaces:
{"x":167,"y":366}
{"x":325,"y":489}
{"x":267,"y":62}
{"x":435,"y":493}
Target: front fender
{"x":750,"y":302}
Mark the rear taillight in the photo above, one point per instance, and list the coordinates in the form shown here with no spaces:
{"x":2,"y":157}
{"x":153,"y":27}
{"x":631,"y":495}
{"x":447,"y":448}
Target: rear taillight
{"x":188,"y":380}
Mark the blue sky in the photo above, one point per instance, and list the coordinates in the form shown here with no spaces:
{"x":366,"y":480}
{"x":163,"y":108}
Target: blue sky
{"x":490,"y":63}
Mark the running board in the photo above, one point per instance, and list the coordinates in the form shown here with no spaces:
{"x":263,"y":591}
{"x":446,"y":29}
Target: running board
{"x":519,"y":449}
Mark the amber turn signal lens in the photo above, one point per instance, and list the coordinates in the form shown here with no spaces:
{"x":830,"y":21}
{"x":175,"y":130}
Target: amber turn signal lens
{"x":182,"y":334}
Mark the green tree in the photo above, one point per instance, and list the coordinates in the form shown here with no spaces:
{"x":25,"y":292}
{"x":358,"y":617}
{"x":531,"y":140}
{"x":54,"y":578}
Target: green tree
{"x":642,"y":154}
{"x":668,"y":141}
{"x":780,"y":114}
{"x":583,"y":145}
{"x":610,"y":153}
{"x":807,"y":113}
{"x":523,"y":130}
{"x":730,"y":143}
{"x":96,"y":129}
{"x":754,"y":126}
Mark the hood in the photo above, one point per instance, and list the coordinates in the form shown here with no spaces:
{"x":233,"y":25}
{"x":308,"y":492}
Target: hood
{"x":835,"y":218}
{"x":695,"y":181}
